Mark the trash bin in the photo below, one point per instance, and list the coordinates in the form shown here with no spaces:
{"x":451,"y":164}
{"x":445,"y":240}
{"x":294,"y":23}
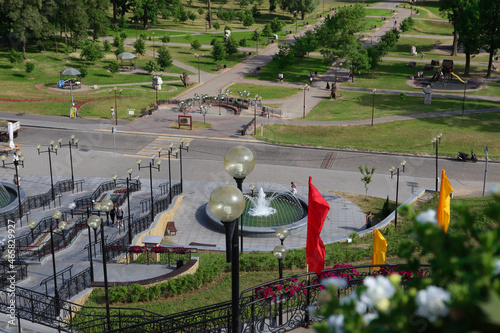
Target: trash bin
{"x":179,"y":263}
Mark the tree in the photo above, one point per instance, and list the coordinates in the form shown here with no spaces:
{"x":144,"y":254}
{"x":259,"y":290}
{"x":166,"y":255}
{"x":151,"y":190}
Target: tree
{"x":231,"y":46}
{"x":65,"y":49}
{"x":388,"y":42}
{"x":165,"y":39}
{"x":277,"y":25}
{"x":272,"y":5}
{"x":140,"y":46}
{"x":152,"y":66}
{"x":164,"y":58}
{"x":91,"y":51}
{"x":98,"y":21}
{"x":406,"y":24}
{"x":195,"y":45}
{"x":15,"y":57}
{"x":367,"y":176}
{"x":301,"y":6}
{"x":29,"y":67}
{"x":243,"y":42}
{"x":468,"y":28}
{"x":454,"y":9}
{"x":247,"y":18}
{"x":285,"y":56}
{"x":148,"y":10}
{"x":216,"y":26}
{"x":490,"y":33}
{"x":266,"y":31}
{"x":192,"y":16}
{"x":305,"y":44}
{"x":106,"y":46}
{"x":218,"y":51}
{"x":339,"y":33}
{"x":114,"y":67}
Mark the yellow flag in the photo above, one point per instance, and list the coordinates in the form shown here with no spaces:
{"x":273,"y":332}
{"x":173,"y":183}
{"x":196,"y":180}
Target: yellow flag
{"x":443,"y":213}
{"x":379,"y":249}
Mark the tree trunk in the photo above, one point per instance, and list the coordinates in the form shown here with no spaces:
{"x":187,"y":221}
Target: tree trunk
{"x":467,"y":64}
{"x":114,"y":12}
{"x":455,"y":44}
{"x":26,"y":58}
{"x":302,"y":15}
{"x":209,"y":15}
{"x":55,"y":39}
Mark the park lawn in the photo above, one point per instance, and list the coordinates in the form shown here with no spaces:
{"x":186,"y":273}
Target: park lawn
{"x":97,"y":105}
{"x":387,"y":75}
{"x":206,"y":39}
{"x":426,"y":45}
{"x":427,"y":9}
{"x":298,"y":73}
{"x":186,"y":55}
{"x":378,"y":12}
{"x":438,"y":28}
{"x":358,"y":106}
{"x":266,"y":92}
{"x":197,"y":125}
{"x":408,"y":136}
{"x":368,"y":22}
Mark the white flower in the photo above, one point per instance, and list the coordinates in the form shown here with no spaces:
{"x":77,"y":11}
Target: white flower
{"x":336,"y":323}
{"x":378,"y":288}
{"x":431,"y":303}
{"x":352,"y":297}
{"x":427,"y":217}
{"x":367,"y":318}
{"x":382,"y":304}
{"x":497,"y":268}
{"x":334,"y":281}
{"x":494,"y":189}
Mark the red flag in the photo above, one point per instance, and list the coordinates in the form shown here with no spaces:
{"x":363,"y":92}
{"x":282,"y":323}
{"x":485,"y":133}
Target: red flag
{"x":317,"y":211}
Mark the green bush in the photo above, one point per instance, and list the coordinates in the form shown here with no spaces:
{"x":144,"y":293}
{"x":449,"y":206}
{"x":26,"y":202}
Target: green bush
{"x":386,"y":209}
{"x":15,"y":57}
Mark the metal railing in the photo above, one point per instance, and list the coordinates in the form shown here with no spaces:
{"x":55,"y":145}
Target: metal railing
{"x":60,"y":273}
{"x":18,"y":268}
{"x":36,"y":201}
{"x":75,"y":284}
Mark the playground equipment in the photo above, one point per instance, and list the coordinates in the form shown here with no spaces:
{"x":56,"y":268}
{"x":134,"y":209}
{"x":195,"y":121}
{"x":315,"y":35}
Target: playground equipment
{"x":444,"y":73}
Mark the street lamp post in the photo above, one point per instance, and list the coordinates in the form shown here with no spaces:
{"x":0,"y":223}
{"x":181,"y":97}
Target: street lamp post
{"x":373,"y":105}
{"x":151,"y":167}
{"x":170,"y":152}
{"x":95,"y":222}
{"x":257,"y":97}
{"x":116,"y":110}
{"x":72,"y":142}
{"x":55,"y":215}
{"x":306,"y":87}
{"x":51,"y":149}
{"x":227,"y":203}
{"x":183,"y":146}
{"x":32,"y":225}
{"x":279,"y":253}
{"x":154,"y":53}
{"x":435,"y":143}
{"x":129,"y":172}
{"x":397,"y":189}
{"x":463,"y":101}
{"x":198,"y":57}
{"x":18,"y":159}
{"x":239,"y":163}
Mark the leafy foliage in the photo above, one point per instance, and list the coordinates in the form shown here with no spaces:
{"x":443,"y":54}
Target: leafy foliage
{"x":367,"y":176}
{"x":218,"y":51}
{"x":91,"y":51}
{"x":29,"y":67}
{"x":164,"y":58}
{"x":114,"y":67}
{"x":152,"y":66}
{"x":15,"y":57}
{"x":406,"y":24}
{"x":285,"y":56}
{"x":140,"y":46}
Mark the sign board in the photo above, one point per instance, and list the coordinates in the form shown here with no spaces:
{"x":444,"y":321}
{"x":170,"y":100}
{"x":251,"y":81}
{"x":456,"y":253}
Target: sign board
{"x":72,"y":112}
{"x":185,"y":121}
{"x":113,"y":130}
{"x":131,"y":112}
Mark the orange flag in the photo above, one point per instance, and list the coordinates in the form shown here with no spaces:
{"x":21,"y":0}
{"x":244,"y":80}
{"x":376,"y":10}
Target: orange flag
{"x":443,"y":213}
{"x":379,"y":249}
{"x":317,"y":212}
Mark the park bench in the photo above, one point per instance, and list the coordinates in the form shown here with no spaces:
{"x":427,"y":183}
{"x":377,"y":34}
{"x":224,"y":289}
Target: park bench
{"x":438,"y":42}
{"x":172,"y":230}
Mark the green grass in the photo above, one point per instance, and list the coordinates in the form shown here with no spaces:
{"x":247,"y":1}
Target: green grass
{"x":439,"y":28}
{"x":428,"y":9}
{"x":368,"y":22}
{"x":299,"y":73}
{"x":266,"y":92}
{"x":197,"y":125}
{"x":357,"y":106}
{"x":409,"y":136}
{"x":378,"y":12}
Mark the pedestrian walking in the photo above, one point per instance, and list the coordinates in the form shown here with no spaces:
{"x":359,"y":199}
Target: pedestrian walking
{"x":112,"y":113}
{"x":369,"y":220}
{"x":293,"y":188}
{"x":280,"y":77}
{"x":112,"y":214}
{"x":119,"y":216}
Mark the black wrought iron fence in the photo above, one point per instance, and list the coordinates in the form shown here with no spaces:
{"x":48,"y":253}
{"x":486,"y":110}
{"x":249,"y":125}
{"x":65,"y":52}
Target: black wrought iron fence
{"x":60,"y":273}
{"x":16,"y":269}
{"x":36,"y":201}
{"x":75,"y":284}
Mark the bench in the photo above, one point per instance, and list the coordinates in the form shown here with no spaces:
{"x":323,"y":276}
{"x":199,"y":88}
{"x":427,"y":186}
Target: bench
{"x":172,"y":230}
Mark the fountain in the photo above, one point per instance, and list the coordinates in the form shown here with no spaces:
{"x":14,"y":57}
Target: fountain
{"x":5,"y":197}
{"x":8,"y":196}
{"x":261,"y":204}
{"x":271,"y":207}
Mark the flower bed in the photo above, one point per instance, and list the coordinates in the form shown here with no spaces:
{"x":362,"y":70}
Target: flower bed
{"x":180,"y":250}
{"x":160,"y":249}
{"x":136,"y":249}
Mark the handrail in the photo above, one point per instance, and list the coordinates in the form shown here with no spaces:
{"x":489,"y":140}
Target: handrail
{"x":61,"y":272}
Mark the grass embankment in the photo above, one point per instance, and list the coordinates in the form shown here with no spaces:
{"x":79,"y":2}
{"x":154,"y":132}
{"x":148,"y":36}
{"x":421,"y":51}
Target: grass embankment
{"x":257,"y":268}
{"x":408,"y":136}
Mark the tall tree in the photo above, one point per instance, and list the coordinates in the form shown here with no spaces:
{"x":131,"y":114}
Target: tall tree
{"x":489,"y":16}
{"x":454,"y":10}
{"x":300,"y":6}
{"x":26,"y":21}
{"x":98,"y":21}
{"x":468,"y":29}
{"x":339,"y":33}
{"x":148,"y":10}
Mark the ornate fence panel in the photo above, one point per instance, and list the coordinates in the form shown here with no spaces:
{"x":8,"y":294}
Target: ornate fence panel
{"x":19,"y":270}
{"x":75,"y":284}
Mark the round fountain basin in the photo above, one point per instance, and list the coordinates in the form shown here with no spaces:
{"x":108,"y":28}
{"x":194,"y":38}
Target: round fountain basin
{"x":266,"y":226}
{"x":12,"y":190}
